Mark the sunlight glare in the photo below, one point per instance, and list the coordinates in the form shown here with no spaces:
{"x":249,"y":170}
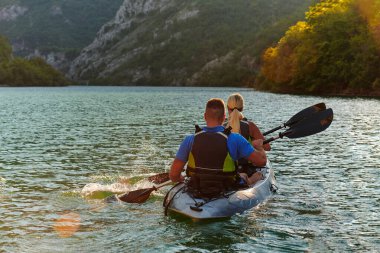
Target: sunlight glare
{"x":370,"y":10}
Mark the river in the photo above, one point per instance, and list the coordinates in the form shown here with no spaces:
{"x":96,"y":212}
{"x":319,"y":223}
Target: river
{"x":56,"y":141}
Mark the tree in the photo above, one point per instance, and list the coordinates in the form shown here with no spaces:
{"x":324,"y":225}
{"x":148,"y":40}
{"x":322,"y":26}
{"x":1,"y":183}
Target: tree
{"x":22,"y":72}
{"x":5,"y":50}
{"x":332,"y":51}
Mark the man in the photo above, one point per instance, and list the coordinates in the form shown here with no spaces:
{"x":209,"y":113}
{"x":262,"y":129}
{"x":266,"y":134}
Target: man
{"x":211,"y":153}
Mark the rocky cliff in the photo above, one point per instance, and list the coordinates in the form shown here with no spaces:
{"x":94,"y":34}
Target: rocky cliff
{"x":180,"y":42}
{"x":11,"y":12}
{"x":101,"y":56}
{"x":53,"y":30}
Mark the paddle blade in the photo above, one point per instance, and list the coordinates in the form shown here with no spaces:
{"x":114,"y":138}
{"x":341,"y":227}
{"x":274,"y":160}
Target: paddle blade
{"x":159,"y":178}
{"x":305,"y":113}
{"x":313,"y":124}
{"x":138,"y":196}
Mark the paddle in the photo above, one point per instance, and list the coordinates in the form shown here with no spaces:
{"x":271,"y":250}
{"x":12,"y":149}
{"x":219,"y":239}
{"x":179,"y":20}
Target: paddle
{"x":159,"y":178}
{"x":314,"y":123}
{"x":308,"y":124}
{"x":299,"y":116}
{"x":141,"y":195}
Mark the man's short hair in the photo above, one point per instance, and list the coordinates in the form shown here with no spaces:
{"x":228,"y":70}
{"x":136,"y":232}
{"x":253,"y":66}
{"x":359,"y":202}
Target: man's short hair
{"x":215,"y":108}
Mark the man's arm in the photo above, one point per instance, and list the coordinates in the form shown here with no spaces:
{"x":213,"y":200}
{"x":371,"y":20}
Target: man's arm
{"x":258,"y":157}
{"x":181,"y":159}
{"x":175,"y":170}
{"x":239,"y":147}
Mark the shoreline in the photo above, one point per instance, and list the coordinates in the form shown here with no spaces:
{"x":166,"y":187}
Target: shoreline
{"x":347,"y":93}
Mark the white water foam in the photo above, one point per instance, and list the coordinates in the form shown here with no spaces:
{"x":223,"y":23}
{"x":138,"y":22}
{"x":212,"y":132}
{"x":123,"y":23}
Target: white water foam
{"x":116,"y":188}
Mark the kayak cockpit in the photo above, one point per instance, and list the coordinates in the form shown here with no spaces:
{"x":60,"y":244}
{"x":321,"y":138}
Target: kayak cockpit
{"x":181,"y":201}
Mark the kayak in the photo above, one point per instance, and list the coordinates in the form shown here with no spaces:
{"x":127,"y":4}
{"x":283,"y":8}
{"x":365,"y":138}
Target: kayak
{"x":178,"y":200}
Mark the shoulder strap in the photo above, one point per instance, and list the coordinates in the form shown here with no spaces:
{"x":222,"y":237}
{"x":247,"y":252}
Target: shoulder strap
{"x":197,"y":129}
{"x":227,"y":130}
{"x":244,"y":129}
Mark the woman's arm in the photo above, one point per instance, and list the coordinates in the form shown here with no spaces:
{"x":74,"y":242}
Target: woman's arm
{"x":255,"y":132}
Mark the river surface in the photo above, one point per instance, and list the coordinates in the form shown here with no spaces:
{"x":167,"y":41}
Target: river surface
{"x":56,"y":141}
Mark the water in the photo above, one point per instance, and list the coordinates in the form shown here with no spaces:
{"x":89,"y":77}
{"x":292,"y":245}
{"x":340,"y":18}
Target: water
{"x":55,"y":141}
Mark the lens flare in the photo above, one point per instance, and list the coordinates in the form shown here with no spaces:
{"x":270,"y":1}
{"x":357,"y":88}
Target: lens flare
{"x":67,"y":224}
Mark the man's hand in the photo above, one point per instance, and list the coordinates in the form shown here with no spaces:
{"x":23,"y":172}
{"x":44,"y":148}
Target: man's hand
{"x":258,"y":157}
{"x":175,"y":171}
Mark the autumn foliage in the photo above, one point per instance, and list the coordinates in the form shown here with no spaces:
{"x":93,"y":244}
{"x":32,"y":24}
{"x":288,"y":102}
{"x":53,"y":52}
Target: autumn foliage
{"x":336,"y":49}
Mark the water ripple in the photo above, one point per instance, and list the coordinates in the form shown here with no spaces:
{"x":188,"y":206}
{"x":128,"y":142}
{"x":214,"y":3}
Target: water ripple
{"x":55,"y":142}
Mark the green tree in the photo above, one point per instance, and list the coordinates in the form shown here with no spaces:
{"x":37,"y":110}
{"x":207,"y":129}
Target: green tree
{"x":5,"y":49}
{"x":22,"y":72}
{"x":332,"y":51}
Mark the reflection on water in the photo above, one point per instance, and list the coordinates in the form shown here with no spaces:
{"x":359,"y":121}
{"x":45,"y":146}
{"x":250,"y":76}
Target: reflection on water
{"x":56,"y":141}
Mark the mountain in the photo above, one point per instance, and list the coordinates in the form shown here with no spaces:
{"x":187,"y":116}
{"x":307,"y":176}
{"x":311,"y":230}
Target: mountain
{"x":55,"y":30}
{"x":181,"y":42}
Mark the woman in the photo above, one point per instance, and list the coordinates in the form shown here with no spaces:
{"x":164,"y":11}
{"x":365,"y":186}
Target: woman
{"x":249,"y":130}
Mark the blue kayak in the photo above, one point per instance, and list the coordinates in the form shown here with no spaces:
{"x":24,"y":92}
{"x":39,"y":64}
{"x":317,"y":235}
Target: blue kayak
{"x":178,"y":200}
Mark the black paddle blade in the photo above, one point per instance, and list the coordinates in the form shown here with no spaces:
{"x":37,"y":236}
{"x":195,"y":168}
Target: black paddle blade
{"x":313,"y":124}
{"x":138,"y":196}
{"x":305,"y":113}
{"x":299,"y":116}
{"x":159,"y":178}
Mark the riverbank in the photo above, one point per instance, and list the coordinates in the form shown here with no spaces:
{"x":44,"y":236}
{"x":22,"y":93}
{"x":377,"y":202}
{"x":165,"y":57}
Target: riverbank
{"x":328,"y":92}
{"x":349,"y":92}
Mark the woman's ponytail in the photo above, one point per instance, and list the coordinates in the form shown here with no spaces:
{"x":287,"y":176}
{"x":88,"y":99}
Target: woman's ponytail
{"x":234,"y":121}
{"x":235,"y":105}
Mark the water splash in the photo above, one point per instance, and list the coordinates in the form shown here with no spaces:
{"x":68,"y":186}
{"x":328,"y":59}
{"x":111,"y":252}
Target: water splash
{"x":98,"y":191}
{"x":101,"y":191}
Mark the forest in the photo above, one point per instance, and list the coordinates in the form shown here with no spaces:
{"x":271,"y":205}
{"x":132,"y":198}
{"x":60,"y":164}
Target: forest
{"x":336,"y":50}
{"x":17,"y":71}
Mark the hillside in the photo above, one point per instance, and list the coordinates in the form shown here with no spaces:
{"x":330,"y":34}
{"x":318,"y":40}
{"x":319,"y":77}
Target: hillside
{"x":16,"y":71}
{"x":54,"y":30}
{"x":336,"y":51}
{"x":180,"y":42}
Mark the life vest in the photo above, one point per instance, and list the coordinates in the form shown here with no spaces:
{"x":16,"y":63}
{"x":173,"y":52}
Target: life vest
{"x":210,"y":166}
{"x":243,"y":165}
{"x":244,"y":131}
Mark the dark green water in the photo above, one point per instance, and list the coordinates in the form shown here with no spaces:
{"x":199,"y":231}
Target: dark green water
{"x":55,"y":141}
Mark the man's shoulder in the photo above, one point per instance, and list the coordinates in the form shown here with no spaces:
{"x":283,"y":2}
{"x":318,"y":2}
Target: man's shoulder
{"x":235,"y":137}
{"x":188,"y":140}
{"x":189,"y":137}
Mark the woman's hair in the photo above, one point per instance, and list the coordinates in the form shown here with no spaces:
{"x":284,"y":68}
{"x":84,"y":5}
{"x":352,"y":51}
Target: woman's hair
{"x":235,"y":105}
